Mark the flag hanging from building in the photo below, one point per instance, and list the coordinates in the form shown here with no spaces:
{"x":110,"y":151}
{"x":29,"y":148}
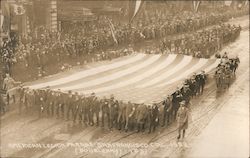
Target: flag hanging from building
{"x":134,"y":8}
{"x":112,"y":29}
{"x":1,"y":21}
{"x":196,"y":5}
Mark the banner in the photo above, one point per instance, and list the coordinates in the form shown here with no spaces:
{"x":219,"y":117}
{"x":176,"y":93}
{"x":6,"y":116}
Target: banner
{"x":1,"y":21}
{"x":134,"y":8}
{"x":196,"y":5}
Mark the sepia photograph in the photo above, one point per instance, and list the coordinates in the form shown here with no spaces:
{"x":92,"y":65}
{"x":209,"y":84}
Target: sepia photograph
{"x":124,"y":79}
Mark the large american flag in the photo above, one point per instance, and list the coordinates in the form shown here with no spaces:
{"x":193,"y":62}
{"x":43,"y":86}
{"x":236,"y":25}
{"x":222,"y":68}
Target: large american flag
{"x":134,"y":78}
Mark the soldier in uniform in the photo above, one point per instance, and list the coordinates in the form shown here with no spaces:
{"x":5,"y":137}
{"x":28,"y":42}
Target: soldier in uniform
{"x":141,"y":117}
{"x":8,"y":84}
{"x":186,"y":93}
{"x":90,"y":108}
{"x":182,"y":120}
{"x":58,"y":104}
{"x":167,"y":103}
{"x":105,"y":111}
{"x":46,"y":100}
{"x":113,"y":110}
{"x":76,"y":106}
{"x":154,"y":117}
{"x":130,"y":116}
{"x":21,"y":98}
{"x":51,"y":103}
{"x":121,"y":119}
{"x":177,"y":98}
{"x":41,"y":104}
{"x":69,"y":107}
{"x":96,"y":108}
{"x":203,"y":79}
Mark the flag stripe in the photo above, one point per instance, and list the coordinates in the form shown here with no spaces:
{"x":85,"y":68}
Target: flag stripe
{"x":186,"y":60}
{"x":147,"y":62}
{"x":138,"y":76}
{"x":130,"y":75}
{"x":101,"y":74}
{"x":85,"y":73}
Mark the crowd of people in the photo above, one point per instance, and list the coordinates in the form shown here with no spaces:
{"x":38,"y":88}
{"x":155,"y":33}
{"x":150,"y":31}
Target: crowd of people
{"x":108,"y":112}
{"x":37,"y":52}
{"x":204,"y":43}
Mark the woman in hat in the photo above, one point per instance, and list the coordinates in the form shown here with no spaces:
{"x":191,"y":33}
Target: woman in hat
{"x":182,"y":119}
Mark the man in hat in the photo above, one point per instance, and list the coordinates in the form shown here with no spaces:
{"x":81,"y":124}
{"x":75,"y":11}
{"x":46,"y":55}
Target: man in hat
{"x":141,"y":116}
{"x":76,"y":106}
{"x":130,"y":116}
{"x":69,"y":105}
{"x":114,"y":106}
{"x":8,"y":85}
{"x":203,"y":78}
{"x":182,"y":119}
{"x":176,"y":99}
{"x":95,"y":108}
{"x":51,"y":103}
{"x":225,"y":55}
{"x":105,"y":111}
{"x":58,"y":103}
{"x":154,"y":117}
{"x":167,"y":103}
{"x":121,"y":119}
{"x":21,"y":91}
{"x":186,"y":93}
